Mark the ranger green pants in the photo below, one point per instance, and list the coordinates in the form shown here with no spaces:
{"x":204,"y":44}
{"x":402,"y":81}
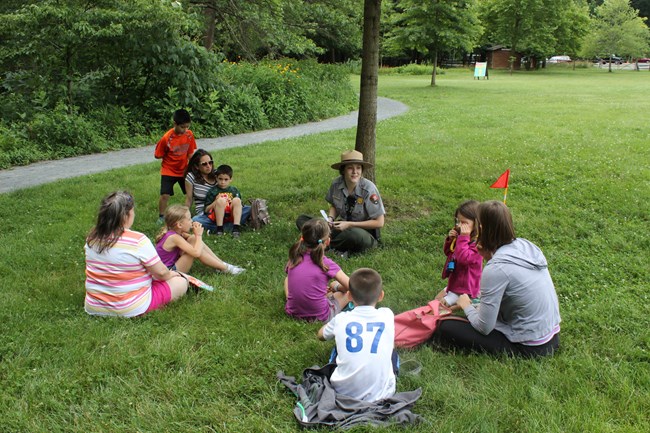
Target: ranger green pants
{"x":354,"y":240}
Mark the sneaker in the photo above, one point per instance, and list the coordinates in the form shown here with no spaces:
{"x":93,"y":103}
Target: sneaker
{"x":234,"y":270}
{"x":237,"y":270}
{"x":236,"y":234}
{"x":218,"y":233}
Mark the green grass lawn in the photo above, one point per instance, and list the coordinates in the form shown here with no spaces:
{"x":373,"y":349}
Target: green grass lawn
{"x":578,"y":145}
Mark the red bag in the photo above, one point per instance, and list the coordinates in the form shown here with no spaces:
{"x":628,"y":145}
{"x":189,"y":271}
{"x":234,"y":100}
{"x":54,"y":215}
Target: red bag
{"x":414,"y":327}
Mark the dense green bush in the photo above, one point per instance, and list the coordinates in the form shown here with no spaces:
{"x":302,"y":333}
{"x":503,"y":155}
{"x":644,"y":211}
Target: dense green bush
{"x":293,"y":91}
{"x":411,"y":69}
{"x":244,"y":97}
{"x":80,"y":78}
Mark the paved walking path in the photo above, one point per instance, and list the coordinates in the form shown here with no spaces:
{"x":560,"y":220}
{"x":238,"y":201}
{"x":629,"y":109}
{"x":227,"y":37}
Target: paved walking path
{"x":48,"y":171}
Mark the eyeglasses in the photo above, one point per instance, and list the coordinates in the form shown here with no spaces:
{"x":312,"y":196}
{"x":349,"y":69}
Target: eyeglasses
{"x":206,"y":163}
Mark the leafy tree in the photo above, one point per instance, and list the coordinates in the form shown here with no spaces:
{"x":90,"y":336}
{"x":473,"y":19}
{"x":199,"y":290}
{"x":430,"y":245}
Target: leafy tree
{"x":275,"y":28}
{"x":642,"y":5}
{"x":507,"y":22}
{"x":572,"y":28}
{"x":292,"y":28}
{"x":536,"y":28}
{"x":431,"y":26}
{"x":338,"y":29}
{"x":7,"y":6}
{"x":86,"y":53}
{"x":617,"y":29}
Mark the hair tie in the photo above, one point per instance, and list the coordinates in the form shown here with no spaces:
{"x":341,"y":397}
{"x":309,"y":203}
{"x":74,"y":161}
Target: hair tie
{"x":320,"y":241}
{"x":301,"y":239}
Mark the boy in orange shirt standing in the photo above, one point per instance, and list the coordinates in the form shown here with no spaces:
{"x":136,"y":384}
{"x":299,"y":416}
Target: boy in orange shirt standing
{"x":175,"y":149}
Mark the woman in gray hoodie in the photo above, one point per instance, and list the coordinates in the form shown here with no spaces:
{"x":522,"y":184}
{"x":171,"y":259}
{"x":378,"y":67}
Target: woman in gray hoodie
{"x":518,"y":312}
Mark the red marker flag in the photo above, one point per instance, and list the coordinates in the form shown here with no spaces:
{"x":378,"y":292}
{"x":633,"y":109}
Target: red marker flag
{"x":502,"y":181}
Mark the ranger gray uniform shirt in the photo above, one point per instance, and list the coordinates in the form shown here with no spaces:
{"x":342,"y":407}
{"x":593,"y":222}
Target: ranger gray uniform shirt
{"x":367,"y":201}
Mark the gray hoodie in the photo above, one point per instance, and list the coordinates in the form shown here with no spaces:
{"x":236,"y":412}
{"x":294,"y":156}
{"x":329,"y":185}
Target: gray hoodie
{"x":518,"y":297}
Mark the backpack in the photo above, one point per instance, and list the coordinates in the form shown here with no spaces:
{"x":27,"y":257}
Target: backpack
{"x":259,"y":213}
{"x":414,"y":327}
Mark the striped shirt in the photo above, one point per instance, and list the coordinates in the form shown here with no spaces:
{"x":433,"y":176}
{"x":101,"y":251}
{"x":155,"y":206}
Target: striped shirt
{"x":117,"y":280}
{"x":199,"y":191}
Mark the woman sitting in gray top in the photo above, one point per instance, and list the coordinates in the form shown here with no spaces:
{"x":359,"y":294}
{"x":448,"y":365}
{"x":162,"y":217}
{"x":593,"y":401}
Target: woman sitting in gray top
{"x":518,"y":312}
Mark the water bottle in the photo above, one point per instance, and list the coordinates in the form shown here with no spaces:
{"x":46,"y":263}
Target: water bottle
{"x":451,"y":265}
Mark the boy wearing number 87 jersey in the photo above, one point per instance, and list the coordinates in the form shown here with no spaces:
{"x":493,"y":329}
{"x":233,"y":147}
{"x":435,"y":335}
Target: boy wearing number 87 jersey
{"x":364,"y":341}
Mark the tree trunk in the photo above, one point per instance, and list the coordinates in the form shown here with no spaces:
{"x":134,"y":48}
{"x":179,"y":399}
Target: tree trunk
{"x":210,"y":22}
{"x":68,"y":79}
{"x":367,"y":121}
{"x":435,"y":65}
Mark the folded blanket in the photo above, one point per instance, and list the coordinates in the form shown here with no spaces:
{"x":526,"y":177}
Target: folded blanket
{"x":319,"y":404}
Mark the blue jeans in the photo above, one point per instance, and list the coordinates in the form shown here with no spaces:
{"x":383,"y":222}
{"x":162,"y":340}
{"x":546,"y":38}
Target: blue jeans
{"x":208,"y":224}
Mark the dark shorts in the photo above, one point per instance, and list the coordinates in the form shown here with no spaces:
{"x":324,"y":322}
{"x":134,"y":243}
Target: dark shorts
{"x":167,"y":184}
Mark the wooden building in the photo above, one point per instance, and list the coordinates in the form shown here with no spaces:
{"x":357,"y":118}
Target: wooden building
{"x":498,"y":57}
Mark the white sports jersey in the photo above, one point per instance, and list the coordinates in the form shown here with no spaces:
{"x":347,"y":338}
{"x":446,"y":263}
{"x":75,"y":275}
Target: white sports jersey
{"x":364,"y":342}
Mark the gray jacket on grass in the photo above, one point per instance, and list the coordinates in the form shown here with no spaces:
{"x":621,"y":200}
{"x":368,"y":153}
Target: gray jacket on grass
{"x":320,"y":405}
{"x":518,"y":297}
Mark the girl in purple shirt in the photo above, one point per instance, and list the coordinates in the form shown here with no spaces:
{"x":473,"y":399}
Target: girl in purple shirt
{"x":310,"y":294}
{"x":178,"y":248}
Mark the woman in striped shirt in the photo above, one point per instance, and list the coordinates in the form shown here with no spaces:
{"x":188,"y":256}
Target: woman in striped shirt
{"x":124,"y":275}
{"x":200,"y":177}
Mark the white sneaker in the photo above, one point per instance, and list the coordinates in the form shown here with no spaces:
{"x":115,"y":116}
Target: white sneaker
{"x":234,"y":270}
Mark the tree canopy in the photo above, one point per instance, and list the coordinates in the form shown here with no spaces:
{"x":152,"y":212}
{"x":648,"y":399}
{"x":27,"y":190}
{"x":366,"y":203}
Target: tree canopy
{"x":431,"y":26}
{"x":617,"y":29}
{"x":294,"y":28}
{"x":89,"y":53}
{"x":535,"y":28}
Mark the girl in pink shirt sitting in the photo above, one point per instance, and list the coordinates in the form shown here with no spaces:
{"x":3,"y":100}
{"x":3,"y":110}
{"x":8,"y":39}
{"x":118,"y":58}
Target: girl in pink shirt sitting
{"x":309,"y":292}
{"x":178,"y":248}
{"x":464,"y":264}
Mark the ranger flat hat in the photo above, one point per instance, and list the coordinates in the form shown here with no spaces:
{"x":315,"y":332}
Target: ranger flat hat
{"x":351,"y":157}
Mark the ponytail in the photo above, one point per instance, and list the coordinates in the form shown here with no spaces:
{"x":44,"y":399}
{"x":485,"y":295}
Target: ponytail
{"x":315,"y":233}
{"x":317,"y":255}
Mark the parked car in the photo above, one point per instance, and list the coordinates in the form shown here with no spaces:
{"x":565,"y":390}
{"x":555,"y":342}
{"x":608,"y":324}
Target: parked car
{"x":643,"y":60}
{"x":615,"y":60}
{"x":559,"y":59}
